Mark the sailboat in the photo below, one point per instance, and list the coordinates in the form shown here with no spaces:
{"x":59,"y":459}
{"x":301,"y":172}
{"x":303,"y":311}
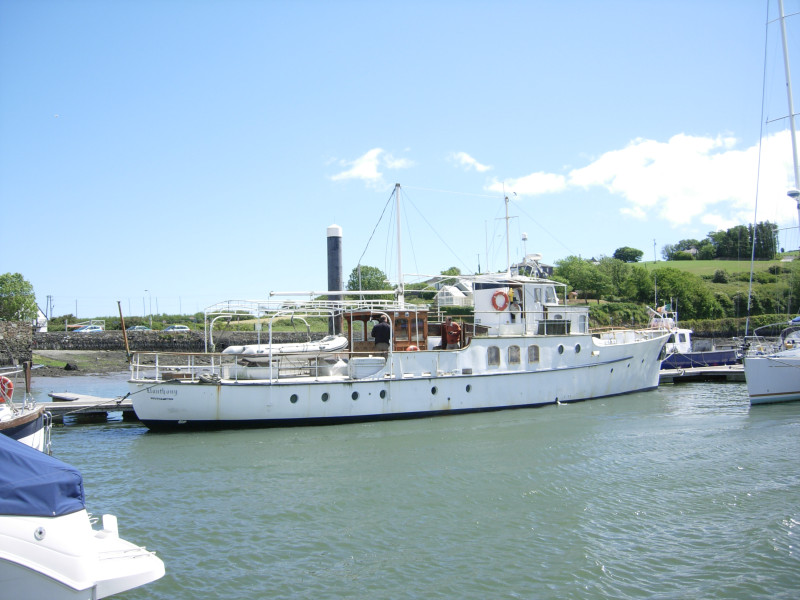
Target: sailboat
{"x":772,"y":371}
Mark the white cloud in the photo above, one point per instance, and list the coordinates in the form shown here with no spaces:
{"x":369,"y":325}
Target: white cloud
{"x":464,"y":160}
{"x":531,"y":185}
{"x":687,"y":179}
{"x":367,"y":166}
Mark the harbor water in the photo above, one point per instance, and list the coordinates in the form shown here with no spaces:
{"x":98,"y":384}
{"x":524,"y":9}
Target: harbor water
{"x":682,"y":492}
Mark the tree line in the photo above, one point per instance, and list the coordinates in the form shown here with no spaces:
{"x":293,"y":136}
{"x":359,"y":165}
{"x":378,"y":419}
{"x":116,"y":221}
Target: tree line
{"x":733,"y":243}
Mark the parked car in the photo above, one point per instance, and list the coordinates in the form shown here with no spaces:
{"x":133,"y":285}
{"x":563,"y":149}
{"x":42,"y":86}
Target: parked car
{"x":138,"y":328}
{"x":177,"y":328}
{"x":89,"y":329}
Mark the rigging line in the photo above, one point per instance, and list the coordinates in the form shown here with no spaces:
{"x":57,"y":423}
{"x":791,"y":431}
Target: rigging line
{"x":422,"y":189}
{"x":568,"y":249}
{"x":376,"y":226}
{"x":410,"y":237}
{"x":436,"y":233}
{"x":758,"y":177}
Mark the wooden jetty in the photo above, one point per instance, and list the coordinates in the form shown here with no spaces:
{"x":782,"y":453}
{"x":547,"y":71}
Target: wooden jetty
{"x":733,"y":373}
{"x":87,"y":408}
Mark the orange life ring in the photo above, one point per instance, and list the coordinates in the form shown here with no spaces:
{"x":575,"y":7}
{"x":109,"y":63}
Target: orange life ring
{"x":6,"y":388}
{"x":412,"y":349}
{"x":504,"y":296}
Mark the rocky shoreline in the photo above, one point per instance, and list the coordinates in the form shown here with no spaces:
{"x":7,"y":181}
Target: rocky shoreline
{"x":65,"y":363}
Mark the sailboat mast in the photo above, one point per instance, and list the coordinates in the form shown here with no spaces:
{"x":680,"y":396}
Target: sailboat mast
{"x":794,"y":194}
{"x":508,"y":243}
{"x":400,"y":288}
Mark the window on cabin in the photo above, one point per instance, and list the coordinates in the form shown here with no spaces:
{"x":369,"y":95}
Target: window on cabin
{"x":493,"y":356}
{"x":417,"y":330}
{"x":533,"y":354}
{"x":401,"y":329}
{"x":550,"y":295}
{"x":357,"y":331}
{"x":681,"y":337}
{"x":513,"y":355}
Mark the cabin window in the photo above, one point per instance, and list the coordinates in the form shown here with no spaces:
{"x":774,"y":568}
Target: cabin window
{"x":401,"y":329}
{"x":493,"y":356}
{"x":537,"y":295}
{"x":671,"y":339}
{"x":681,"y":337}
{"x":513,"y":355}
{"x":418,"y":329}
{"x":357,"y":331}
{"x":533,"y":354}
{"x":550,"y":295}
{"x":583,"y":323}
{"x":561,"y":348}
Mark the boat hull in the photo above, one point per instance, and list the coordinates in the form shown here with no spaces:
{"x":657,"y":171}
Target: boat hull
{"x":412,"y":385}
{"x":773,"y":378}
{"x":64,"y":558}
{"x":29,"y":427}
{"x":690,"y":360}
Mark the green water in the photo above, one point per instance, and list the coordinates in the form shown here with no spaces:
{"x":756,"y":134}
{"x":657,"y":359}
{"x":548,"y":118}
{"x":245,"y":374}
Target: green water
{"x":684,"y":492}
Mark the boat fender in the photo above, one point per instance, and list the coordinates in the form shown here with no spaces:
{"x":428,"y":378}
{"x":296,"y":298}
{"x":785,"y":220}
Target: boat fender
{"x":6,"y":388}
{"x":502,"y":305}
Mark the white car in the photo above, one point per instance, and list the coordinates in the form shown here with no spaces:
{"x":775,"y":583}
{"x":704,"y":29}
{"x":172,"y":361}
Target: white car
{"x":177,"y":329}
{"x":89,"y":329}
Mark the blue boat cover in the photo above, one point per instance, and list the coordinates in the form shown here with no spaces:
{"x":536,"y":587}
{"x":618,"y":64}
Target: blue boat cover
{"x":35,"y":484}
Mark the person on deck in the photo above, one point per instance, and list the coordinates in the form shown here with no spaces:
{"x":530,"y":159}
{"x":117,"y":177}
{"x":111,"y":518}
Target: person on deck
{"x":382,"y":334}
{"x":452,"y":334}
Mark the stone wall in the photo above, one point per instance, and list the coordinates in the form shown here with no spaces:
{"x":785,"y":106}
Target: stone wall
{"x":16,"y":342}
{"x":156,"y":341}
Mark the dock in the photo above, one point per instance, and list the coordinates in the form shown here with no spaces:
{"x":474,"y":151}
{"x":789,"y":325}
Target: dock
{"x":87,"y":408}
{"x":731,"y":373}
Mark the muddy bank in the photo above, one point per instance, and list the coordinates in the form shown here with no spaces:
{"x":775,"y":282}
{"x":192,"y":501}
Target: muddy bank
{"x":53,"y":363}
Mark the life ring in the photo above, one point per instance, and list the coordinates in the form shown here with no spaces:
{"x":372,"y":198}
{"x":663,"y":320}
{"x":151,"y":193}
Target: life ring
{"x":6,"y":388}
{"x":500,"y":294}
{"x":412,"y":349}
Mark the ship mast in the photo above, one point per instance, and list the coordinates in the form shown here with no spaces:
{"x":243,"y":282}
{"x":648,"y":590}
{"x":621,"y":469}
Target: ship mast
{"x":795,"y":192}
{"x":400,"y":288}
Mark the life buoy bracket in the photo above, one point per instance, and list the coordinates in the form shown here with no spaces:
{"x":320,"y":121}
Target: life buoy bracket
{"x":500,"y":306}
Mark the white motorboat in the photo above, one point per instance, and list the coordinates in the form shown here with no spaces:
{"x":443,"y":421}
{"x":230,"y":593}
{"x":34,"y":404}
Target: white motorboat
{"x":772,"y":371}
{"x":23,"y":421}
{"x":540,"y":353}
{"x":526,"y":347}
{"x":48,"y":547}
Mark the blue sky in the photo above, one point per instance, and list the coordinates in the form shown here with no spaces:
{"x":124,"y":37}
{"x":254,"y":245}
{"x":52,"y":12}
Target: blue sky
{"x":180,"y":153}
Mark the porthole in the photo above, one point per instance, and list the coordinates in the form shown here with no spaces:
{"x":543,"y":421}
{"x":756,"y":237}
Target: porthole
{"x":577,"y":348}
{"x":354,"y":396}
{"x":293,"y":399}
{"x":612,"y":370}
{"x":560,"y":349}
{"x":325,"y":397}
{"x":383,"y":394}
{"x":469,"y":388}
{"x":434,"y":390}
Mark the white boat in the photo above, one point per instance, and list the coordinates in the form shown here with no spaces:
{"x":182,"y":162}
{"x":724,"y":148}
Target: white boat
{"x":773,"y":374}
{"x":543,"y":354}
{"x":23,"y":421}
{"x":48,"y":547}
{"x":772,"y":370}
